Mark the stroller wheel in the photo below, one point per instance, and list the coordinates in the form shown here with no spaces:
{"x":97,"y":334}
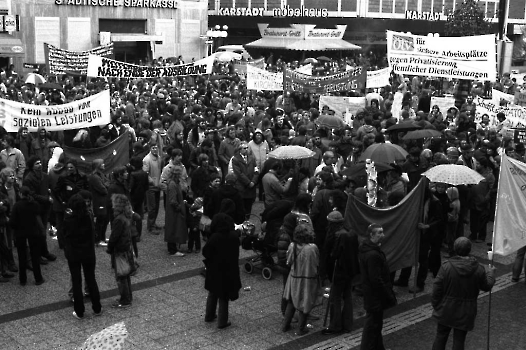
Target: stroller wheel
{"x":266,"y":273}
{"x":249,"y":268}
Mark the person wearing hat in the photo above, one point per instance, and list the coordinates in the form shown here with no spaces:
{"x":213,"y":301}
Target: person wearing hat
{"x":467,"y":156}
{"x":413,"y":167}
{"x":452,"y":154}
{"x":341,"y":254}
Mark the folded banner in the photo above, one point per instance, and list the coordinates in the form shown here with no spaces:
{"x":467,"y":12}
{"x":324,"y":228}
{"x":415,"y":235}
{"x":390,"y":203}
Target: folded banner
{"x":260,"y":79}
{"x":509,"y":228}
{"x":400,"y":222}
{"x":343,"y":107}
{"x":241,"y":66}
{"x":108,"y":68}
{"x":91,"y":111}
{"x":60,"y":61}
{"x":469,"y":58}
{"x":345,"y":81}
{"x":378,"y":78}
{"x":114,"y":154}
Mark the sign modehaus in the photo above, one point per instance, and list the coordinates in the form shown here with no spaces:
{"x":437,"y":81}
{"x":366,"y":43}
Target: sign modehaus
{"x":469,"y":58}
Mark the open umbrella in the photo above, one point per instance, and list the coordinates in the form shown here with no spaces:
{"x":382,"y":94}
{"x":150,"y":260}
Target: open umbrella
{"x":404,"y":127}
{"x":227,"y":56}
{"x":51,"y":86}
{"x":358,"y":169}
{"x":324,"y":58}
{"x":384,"y":152}
{"x":109,"y":338}
{"x":453,"y":174}
{"x":422,"y":134}
{"x":310,"y":60}
{"x":291,"y":152}
{"x":330,"y":122}
{"x":34,"y":78}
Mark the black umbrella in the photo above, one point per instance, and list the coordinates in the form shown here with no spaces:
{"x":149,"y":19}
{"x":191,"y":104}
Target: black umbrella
{"x":358,"y":169}
{"x":324,"y":58}
{"x":404,"y":127}
{"x":50,"y":86}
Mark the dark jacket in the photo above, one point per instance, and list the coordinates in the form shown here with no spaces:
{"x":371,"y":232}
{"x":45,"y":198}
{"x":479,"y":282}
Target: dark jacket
{"x":221,"y":254}
{"x":201,"y":179}
{"x":230,"y":192}
{"x":98,"y":185}
{"x":120,"y":237}
{"x":455,"y":292}
{"x":245,"y":174}
{"x":79,"y":239}
{"x":377,"y":288}
{"x":24,"y":219}
{"x":138,"y":186}
{"x":55,"y":173}
{"x":39,"y":185}
{"x":344,"y":254}
{"x":69,"y":185}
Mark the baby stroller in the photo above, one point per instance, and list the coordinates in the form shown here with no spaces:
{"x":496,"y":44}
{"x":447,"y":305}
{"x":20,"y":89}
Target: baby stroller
{"x":256,"y":242}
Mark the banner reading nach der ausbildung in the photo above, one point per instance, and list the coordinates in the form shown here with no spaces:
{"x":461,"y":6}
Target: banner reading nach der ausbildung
{"x":469,"y":58}
{"x":91,"y":111}
{"x":107,"y":68}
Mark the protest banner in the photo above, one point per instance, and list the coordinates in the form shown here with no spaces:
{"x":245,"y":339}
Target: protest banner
{"x":60,"y":61}
{"x":344,"y":81}
{"x":515,"y":115}
{"x":443,"y":103}
{"x":377,"y":78}
{"x":342,"y":106}
{"x":468,"y":58}
{"x":241,"y":66}
{"x":306,"y":69}
{"x":114,"y":154}
{"x":497,"y":96}
{"x":91,"y":111}
{"x":401,"y":241}
{"x":509,"y":227}
{"x":107,"y":68}
{"x":260,"y":79}
{"x":520,"y":98}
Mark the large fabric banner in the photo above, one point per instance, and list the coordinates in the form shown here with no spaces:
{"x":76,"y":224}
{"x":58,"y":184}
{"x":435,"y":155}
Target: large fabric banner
{"x":60,"y":61}
{"x":107,"y":68}
{"x":497,"y":96}
{"x":509,"y":228}
{"x":443,"y":103}
{"x":91,"y":111}
{"x":345,"y":81}
{"x":343,"y":107}
{"x":469,"y":58}
{"x":260,"y":79}
{"x":515,"y":115}
{"x":378,"y":78}
{"x":241,"y":66}
{"x":400,"y":222}
{"x":114,"y":154}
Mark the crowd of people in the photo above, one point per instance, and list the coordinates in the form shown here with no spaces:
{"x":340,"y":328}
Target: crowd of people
{"x":204,"y":145}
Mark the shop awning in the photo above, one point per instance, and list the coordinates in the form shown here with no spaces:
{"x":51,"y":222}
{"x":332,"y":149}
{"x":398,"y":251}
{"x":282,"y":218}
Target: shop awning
{"x":10,"y":46}
{"x":303,"y":45}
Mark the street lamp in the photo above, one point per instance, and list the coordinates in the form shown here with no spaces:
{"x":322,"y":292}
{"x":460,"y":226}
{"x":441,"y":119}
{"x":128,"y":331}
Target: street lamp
{"x":214,"y":34}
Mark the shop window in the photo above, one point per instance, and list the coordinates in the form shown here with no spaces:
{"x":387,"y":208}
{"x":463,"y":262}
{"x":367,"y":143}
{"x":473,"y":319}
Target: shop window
{"x":437,"y":6}
{"x":225,"y":4}
{"x":134,"y":26}
{"x":242,"y":3}
{"x":349,"y":5}
{"x":387,"y":6}
{"x":516,"y":9}
{"x":412,"y":4}
{"x":374,"y":6}
{"x":448,"y":6}
{"x":258,"y":3}
{"x":426,"y":5}
{"x":211,"y":5}
{"x":294,"y":3}
{"x":273,"y":4}
{"x":400,"y":6}
{"x":330,"y":5}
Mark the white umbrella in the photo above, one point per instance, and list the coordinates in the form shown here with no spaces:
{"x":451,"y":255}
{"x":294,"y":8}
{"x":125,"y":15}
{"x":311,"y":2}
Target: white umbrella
{"x":109,"y":338}
{"x":34,"y":78}
{"x":227,"y":56}
{"x":453,"y":174}
{"x":291,"y":152}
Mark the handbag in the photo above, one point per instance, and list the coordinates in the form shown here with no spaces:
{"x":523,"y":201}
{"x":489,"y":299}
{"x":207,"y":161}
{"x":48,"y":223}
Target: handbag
{"x":123,"y":268}
{"x":204,"y":223}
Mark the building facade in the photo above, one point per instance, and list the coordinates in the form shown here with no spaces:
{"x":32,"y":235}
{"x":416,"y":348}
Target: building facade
{"x":140,"y":29}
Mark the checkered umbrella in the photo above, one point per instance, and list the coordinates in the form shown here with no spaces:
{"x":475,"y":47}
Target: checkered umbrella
{"x":453,"y":174}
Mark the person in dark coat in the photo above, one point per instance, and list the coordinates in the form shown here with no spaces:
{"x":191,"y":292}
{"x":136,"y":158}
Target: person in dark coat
{"x":455,"y":292}
{"x":222,"y":281}
{"x":228,"y":190}
{"x":201,"y":176}
{"x":79,"y":238}
{"x":138,"y":187}
{"x":377,"y":288}
{"x":27,"y":225}
{"x":244,"y":167}
{"x":342,"y":250}
{"x":98,"y":185}
{"x":119,"y":185}
{"x":38,"y":183}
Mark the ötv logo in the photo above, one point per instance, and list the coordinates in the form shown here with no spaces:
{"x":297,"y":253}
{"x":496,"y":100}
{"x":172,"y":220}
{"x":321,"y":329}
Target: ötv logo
{"x":403,"y":43}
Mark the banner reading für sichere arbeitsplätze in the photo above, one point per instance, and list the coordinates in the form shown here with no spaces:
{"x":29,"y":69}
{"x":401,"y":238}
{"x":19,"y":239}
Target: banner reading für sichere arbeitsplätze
{"x":91,"y":111}
{"x":345,"y":81}
{"x":107,"y":68}
{"x":469,"y":58}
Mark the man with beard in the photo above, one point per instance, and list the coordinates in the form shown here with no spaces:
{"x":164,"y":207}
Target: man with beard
{"x":151,"y":164}
{"x":116,"y":128}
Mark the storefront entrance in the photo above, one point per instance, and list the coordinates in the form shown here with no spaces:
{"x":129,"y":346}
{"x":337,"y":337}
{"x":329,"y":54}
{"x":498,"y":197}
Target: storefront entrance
{"x":137,"y":52}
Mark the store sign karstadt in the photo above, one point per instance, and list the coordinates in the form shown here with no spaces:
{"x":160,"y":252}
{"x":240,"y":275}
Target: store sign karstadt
{"x":167,"y":4}
{"x":425,"y":16}
{"x":286,"y":11}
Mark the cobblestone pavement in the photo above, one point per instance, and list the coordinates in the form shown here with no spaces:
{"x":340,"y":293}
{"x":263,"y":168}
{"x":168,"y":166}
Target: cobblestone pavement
{"x":169,"y":303}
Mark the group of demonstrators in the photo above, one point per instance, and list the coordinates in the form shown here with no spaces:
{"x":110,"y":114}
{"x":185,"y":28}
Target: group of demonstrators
{"x":204,"y":144}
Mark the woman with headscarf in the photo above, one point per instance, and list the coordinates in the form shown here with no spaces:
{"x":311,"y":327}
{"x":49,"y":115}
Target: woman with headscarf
{"x":302,"y":284}
{"x":175,"y":229}
{"x":222,"y":281}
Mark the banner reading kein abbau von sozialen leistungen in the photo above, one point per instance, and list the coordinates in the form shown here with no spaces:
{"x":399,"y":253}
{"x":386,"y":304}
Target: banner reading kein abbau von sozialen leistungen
{"x":107,"y":68}
{"x":91,"y":111}
{"x":345,"y":81}
{"x":468,"y":58}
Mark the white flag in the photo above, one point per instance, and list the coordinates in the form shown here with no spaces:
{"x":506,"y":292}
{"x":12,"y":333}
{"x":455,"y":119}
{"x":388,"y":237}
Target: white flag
{"x":509,"y":230}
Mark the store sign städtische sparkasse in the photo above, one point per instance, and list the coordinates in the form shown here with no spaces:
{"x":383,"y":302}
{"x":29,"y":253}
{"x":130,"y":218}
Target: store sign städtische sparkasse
{"x":153,"y":4}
